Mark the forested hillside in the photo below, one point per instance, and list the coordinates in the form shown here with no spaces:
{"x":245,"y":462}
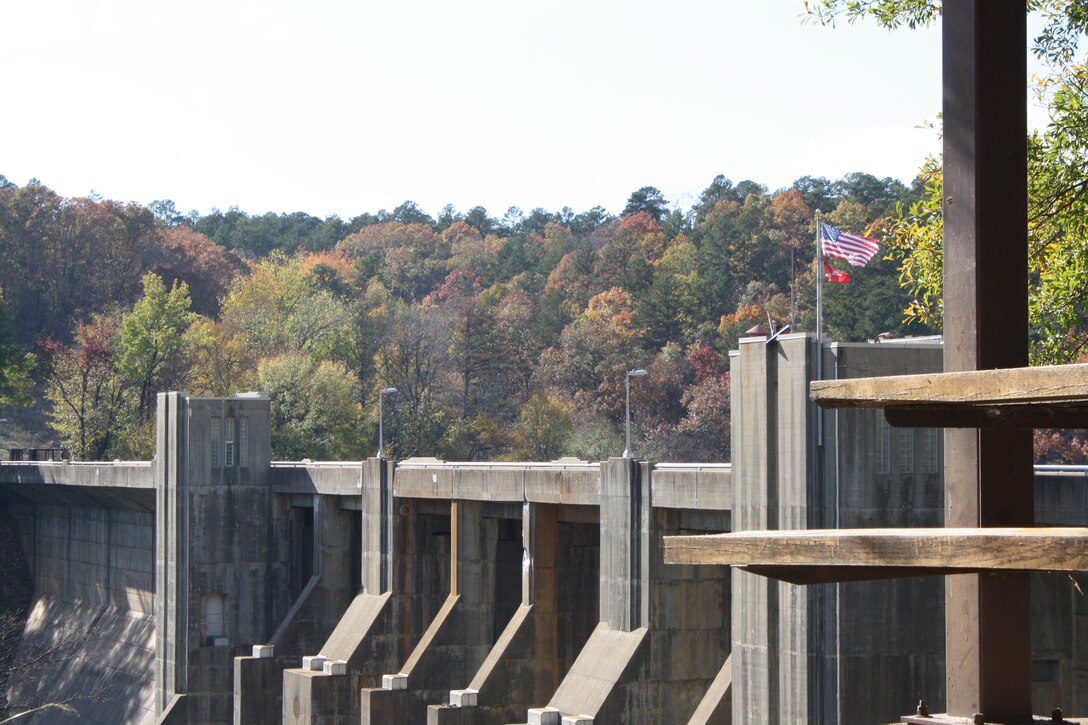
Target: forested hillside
{"x":506,"y":337}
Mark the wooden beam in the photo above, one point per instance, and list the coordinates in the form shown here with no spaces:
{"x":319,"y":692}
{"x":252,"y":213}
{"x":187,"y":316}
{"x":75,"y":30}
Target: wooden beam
{"x":1009,"y":399}
{"x":939,"y":550}
{"x":1057,"y":384}
{"x":945,"y":719}
{"x":988,"y":475}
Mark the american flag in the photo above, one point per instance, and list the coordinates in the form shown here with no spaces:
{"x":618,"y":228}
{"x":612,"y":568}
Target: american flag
{"x":852,"y":248}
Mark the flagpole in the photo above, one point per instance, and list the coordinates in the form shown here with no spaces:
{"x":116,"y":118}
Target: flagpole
{"x":819,"y":299}
{"x":819,"y":323}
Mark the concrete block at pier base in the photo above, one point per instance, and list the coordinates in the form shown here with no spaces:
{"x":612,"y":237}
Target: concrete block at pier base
{"x":450,"y":715}
{"x":395,"y":682}
{"x":464,"y":698}
{"x":313,"y":662}
{"x":311,"y":696}
{"x":263,"y":651}
{"x":577,"y":720}
{"x":335,"y":667}
{"x":258,"y":690}
{"x":379,"y":706}
{"x":544,"y":716}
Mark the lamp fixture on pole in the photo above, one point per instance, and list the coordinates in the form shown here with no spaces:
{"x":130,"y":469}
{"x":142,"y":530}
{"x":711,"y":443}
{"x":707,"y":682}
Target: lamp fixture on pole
{"x":627,"y":410}
{"x":381,"y":415}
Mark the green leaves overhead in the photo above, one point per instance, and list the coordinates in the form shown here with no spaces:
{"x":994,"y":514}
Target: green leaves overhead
{"x":889,"y":13}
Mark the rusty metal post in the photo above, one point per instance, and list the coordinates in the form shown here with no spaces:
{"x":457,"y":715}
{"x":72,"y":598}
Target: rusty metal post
{"x":988,"y":479}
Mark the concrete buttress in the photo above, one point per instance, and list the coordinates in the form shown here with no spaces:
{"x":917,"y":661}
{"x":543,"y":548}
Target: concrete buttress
{"x":367,"y":638}
{"x":663,"y":635}
{"x":459,"y":637}
{"x":525,"y":666}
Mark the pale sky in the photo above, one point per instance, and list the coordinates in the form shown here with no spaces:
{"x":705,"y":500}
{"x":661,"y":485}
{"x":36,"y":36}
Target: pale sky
{"x":344,"y":107}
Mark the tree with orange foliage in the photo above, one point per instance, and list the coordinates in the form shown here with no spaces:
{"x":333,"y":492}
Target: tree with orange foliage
{"x":792,"y":223}
{"x":410,"y":259}
{"x":594,"y":353}
{"x":625,"y":261}
{"x":733,"y":326}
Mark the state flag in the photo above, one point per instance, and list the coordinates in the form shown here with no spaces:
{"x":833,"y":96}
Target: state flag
{"x":835,"y":276}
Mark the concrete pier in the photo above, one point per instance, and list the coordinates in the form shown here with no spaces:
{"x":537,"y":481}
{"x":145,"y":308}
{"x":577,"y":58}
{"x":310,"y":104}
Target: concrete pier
{"x":817,"y":653}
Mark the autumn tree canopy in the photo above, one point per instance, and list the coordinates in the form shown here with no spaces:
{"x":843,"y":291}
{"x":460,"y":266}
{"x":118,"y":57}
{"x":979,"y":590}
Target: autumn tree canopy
{"x":506,"y":336}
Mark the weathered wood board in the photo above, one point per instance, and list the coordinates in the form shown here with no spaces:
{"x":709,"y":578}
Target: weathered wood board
{"x":1053,"y":384}
{"x":940,"y":550}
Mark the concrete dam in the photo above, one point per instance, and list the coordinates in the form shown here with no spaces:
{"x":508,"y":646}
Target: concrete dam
{"x":213,"y":585}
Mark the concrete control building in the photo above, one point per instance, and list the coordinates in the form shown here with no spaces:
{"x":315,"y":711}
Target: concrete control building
{"x":213,"y":585}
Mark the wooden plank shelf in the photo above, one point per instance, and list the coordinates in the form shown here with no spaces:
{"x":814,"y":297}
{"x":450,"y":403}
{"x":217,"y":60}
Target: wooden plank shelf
{"x":830,"y":555}
{"x":1039,"y":397}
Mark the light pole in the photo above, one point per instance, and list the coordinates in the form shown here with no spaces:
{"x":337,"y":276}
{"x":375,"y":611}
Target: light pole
{"x":381,"y":415}
{"x":627,"y":409}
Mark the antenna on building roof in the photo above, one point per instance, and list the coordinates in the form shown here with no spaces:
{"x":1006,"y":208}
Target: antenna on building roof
{"x":778,"y":333}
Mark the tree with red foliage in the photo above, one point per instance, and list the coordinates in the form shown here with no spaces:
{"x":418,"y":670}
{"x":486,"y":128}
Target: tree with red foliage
{"x":700,"y":431}
{"x":61,"y":259}
{"x":182,"y":255}
{"x":85,"y":388}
